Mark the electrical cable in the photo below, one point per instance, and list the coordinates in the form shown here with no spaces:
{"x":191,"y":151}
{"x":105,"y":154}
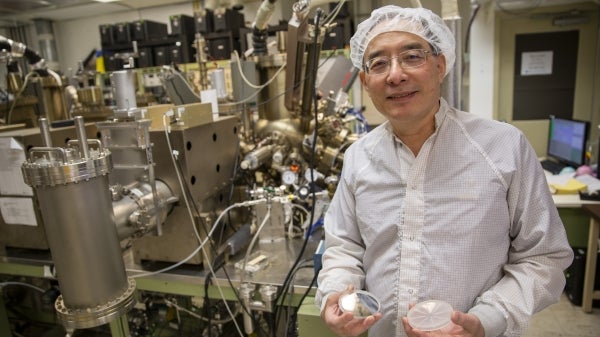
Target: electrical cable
{"x":239,"y":66}
{"x":303,"y":264}
{"x":201,"y":247}
{"x":236,"y":294}
{"x":303,"y":210}
{"x":266,"y":101}
{"x":55,"y":76}
{"x":248,"y":251}
{"x":188,"y":193}
{"x":242,"y":204}
{"x":312,"y":164}
{"x":204,"y":226}
{"x":247,"y":99}
{"x":193,"y":314}
{"x":173,"y":154}
{"x":207,"y":303}
{"x":11,"y":283}
{"x":312,"y":283}
{"x":8,"y":118}
{"x":253,"y":242}
{"x":334,"y":13}
{"x":167,"y":129}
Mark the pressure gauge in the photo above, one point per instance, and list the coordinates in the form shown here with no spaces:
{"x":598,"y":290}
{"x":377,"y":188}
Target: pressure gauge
{"x":288,"y":177}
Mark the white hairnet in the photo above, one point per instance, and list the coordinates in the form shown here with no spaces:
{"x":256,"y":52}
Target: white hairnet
{"x":418,"y":21}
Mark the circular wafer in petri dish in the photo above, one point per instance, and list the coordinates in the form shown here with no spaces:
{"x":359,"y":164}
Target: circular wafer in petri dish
{"x":430,"y":315}
{"x":360,"y":303}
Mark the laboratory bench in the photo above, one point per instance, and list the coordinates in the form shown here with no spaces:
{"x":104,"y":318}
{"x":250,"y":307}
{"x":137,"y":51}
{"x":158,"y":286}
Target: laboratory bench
{"x":189,"y":281}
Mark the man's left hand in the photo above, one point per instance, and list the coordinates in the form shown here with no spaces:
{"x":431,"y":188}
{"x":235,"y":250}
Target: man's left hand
{"x":461,"y":325}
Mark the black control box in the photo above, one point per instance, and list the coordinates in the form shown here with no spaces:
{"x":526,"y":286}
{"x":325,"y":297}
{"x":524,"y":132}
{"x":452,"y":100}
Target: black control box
{"x":106,"y":34}
{"x":121,"y":33}
{"x":204,"y":21}
{"x":161,"y":55}
{"x":145,"y":58}
{"x":182,"y":25}
{"x":220,"y":45}
{"x":228,"y":20}
{"x":146,"y":30}
{"x":180,"y":53}
{"x":339,"y":36}
{"x":111,"y":61}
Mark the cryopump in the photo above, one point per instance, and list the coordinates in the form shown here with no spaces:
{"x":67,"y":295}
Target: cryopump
{"x":83,"y":240}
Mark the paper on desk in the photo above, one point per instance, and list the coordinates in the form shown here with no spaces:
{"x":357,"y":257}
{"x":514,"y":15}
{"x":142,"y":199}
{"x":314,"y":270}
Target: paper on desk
{"x":565,"y":184}
{"x":593,"y":184}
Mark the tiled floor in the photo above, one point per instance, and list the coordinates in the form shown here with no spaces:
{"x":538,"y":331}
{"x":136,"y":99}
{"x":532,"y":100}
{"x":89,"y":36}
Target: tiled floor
{"x":565,"y":320}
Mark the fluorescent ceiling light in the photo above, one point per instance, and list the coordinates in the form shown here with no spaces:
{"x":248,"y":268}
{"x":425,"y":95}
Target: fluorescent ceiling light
{"x":105,"y":1}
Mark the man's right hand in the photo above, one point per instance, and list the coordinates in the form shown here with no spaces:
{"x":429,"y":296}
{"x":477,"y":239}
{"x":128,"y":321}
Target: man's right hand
{"x":344,"y":323}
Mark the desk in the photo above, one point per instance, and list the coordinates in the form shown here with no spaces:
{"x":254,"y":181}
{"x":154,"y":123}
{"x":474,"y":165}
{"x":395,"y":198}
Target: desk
{"x":571,"y":201}
{"x":593,"y":209}
{"x":589,"y":294}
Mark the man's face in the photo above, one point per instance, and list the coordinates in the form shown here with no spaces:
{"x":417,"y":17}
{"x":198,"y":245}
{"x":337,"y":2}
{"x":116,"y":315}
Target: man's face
{"x":404,"y":95}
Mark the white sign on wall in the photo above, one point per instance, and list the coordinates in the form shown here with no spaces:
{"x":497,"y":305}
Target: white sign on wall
{"x":536,"y":63}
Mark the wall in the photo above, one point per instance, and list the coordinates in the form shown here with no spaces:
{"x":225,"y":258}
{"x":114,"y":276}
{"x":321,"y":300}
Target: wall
{"x":586,"y":105}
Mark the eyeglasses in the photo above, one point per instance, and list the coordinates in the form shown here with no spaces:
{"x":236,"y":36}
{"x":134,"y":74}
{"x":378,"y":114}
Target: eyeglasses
{"x":412,"y":58}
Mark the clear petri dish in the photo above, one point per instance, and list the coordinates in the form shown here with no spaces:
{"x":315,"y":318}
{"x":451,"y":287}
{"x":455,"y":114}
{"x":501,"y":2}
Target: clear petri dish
{"x":430,"y":315}
{"x":360,"y":303}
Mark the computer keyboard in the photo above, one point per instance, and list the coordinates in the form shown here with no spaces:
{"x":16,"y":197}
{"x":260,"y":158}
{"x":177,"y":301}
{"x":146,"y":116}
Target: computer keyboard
{"x":552,"y":166}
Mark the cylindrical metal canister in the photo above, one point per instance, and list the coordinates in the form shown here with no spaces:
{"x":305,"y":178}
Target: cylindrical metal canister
{"x":83,"y":241}
{"x":124,"y":97}
{"x":72,"y":189}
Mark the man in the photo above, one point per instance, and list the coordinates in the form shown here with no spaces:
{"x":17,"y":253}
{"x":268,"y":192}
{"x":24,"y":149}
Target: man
{"x":436,"y":203}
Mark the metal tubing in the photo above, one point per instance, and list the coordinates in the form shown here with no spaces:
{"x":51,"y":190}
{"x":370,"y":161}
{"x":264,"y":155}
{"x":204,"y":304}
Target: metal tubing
{"x":309,"y":85}
{"x":82,"y":137}
{"x":45,"y":131}
{"x":451,"y":88}
{"x":141,"y":197}
{"x":246,"y":291}
{"x":119,"y":327}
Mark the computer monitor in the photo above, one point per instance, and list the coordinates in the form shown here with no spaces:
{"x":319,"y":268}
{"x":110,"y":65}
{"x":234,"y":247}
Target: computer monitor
{"x":566,"y":140}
